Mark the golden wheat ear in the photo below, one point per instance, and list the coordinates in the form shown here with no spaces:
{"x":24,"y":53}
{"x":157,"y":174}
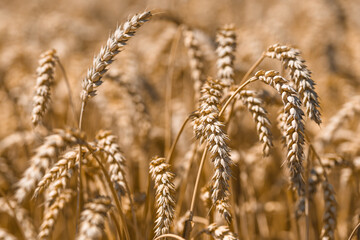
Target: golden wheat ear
{"x":300,"y":75}
{"x":330,"y":213}
{"x":220,"y":232}
{"x":114,"y":45}
{"x":45,"y":79}
{"x":165,"y":189}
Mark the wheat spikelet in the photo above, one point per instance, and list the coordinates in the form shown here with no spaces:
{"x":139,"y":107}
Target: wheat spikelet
{"x":44,"y":80}
{"x":114,"y":45}
{"x":40,"y":162}
{"x":196,"y":61}
{"x":294,"y":125}
{"x":22,"y":217}
{"x":208,"y":128}
{"x":259,"y":114}
{"x":114,"y":158}
{"x":60,"y":169}
{"x":52,"y":213}
{"x":4,"y":235}
{"x":165,"y":203}
{"x":226,"y":40}
{"x":56,"y":187}
{"x":347,"y":111}
{"x":328,"y":229}
{"x":301,"y":76}
{"x":220,"y":232}
{"x":93,"y":218}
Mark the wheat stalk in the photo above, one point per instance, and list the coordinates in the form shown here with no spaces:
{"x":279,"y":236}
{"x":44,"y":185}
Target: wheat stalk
{"x":165,"y":203}
{"x":44,"y":80}
{"x":300,"y":75}
{"x":93,"y":218}
{"x":40,"y":162}
{"x":52,"y":213}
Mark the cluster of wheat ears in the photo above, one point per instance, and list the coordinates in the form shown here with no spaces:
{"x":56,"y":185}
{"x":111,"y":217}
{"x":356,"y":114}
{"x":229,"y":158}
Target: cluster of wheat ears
{"x":90,"y":190}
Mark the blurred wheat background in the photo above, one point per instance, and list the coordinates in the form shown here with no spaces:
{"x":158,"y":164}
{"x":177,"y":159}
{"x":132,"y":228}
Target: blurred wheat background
{"x":114,"y":151}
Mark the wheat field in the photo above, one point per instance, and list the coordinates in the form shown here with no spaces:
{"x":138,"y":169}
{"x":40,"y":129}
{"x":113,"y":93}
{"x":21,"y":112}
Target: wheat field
{"x":180,"y":119}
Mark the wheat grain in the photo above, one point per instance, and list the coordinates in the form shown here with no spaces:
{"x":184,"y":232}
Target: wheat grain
{"x":301,"y":76}
{"x":52,"y":213}
{"x":44,"y":81}
{"x":114,"y":45}
{"x":93,"y":218}
{"x":163,"y":178}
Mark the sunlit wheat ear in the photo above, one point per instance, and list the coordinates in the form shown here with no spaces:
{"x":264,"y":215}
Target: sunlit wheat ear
{"x":208,"y":128}
{"x":93,"y":218}
{"x":220,"y":232}
{"x":196,"y":61}
{"x":300,"y":75}
{"x":114,"y":45}
{"x":51,"y":215}
{"x":347,"y":111}
{"x":45,"y":155}
{"x":44,"y":81}
{"x":61,"y":168}
{"x":328,"y":229}
{"x":294,"y":125}
{"x":4,"y":235}
{"x":226,"y":40}
{"x":21,"y":215}
{"x":56,"y":187}
{"x":113,"y":156}
{"x":255,"y":106}
{"x":165,"y":203}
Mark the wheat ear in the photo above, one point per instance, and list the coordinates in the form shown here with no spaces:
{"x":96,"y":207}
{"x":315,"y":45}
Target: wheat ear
{"x":255,"y":106}
{"x":165,"y":189}
{"x":294,"y":124}
{"x":52,"y":213}
{"x":40,"y":162}
{"x":328,"y":229}
{"x":208,"y":128}
{"x":196,"y":61}
{"x":44,"y":80}
{"x":116,"y":161}
{"x":300,"y":74}
{"x":93,"y":218}
{"x":226,"y":40}
{"x":114,"y":45}
{"x":220,"y":232}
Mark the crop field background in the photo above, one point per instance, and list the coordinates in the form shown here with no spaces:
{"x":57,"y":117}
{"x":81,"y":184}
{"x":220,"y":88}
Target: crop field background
{"x":180,"y":119}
